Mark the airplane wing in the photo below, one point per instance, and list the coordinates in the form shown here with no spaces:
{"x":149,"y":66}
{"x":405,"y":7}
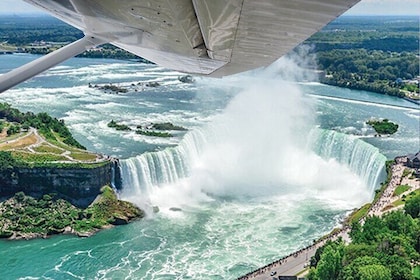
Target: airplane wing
{"x":208,"y":37}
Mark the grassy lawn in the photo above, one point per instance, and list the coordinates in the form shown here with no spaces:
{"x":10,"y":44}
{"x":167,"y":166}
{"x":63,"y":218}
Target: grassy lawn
{"x":401,"y":201}
{"x":46,"y":152}
{"x":407,"y":172}
{"x":358,"y":214}
{"x":83,"y":156}
{"x":401,"y":189}
{"x":31,"y":157}
{"x":27,"y":140}
{"x":45,"y":148}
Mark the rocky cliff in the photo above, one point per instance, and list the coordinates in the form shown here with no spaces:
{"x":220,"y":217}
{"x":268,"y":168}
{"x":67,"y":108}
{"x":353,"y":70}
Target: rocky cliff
{"x":78,"y":185}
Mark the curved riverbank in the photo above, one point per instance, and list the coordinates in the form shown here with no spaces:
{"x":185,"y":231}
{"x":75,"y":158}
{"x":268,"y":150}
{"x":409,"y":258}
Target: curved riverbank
{"x":297,"y":262}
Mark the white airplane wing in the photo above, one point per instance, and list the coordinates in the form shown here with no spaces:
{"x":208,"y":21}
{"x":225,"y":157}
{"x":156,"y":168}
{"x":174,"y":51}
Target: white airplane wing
{"x":209,"y":37}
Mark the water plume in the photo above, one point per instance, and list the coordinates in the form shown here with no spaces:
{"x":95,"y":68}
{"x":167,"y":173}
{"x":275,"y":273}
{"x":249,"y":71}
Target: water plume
{"x":259,"y":146}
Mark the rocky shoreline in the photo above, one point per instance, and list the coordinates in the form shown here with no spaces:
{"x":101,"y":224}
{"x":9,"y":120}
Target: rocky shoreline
{"x":26,"y":217}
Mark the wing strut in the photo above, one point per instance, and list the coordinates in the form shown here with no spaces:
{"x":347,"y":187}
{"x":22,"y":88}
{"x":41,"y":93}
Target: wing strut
{"x":43,"y":63}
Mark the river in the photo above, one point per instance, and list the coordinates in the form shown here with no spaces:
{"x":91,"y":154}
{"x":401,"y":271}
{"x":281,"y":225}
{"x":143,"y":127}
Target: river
{"x":267,"y":165}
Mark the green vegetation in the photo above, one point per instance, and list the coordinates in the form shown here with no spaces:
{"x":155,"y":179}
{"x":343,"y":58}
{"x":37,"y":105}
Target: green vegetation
{"x":383,"y":127}
{"x":378,"y":54}
{"x":383,"y":33}
{"x":22,"y":156}
{"x":7,"y":161}
{"x":412,"y":206}
{"x":376,"y":71}
{"x":27,"y":217}
{"x":153,"y":133}
{"x":383,"y":248}
{"x":13,"y":129}
{"x":25,"y":30}
{"x":118,"y":126}
{"x":47,"y":126}
{"x":401,"y":189}
{"x":146,"y":131}
{"x":45,"y":148}
{"x":416,"y":272}
{"x":407,"y":172}
{"x":28,"y":149}
{"x":404,"y":198}
{"x":44,"y":34}
{"x":358,"y":214}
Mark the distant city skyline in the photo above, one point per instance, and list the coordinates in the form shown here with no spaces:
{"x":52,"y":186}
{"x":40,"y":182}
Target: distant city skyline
{"x":364,"y":7}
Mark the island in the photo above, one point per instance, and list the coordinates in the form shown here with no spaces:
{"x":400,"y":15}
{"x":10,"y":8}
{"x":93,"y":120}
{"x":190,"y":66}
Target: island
{"x":50,"y":183}
{"x":383,"y":126}
{"x":153,"y":129}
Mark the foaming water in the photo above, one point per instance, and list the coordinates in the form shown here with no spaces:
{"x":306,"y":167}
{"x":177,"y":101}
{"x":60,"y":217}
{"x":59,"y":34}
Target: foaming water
{"x":240,"y":206}
{"x":258,"y":147}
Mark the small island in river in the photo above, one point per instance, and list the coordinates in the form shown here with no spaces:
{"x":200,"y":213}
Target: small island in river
{"x":50,"y":184}
{"x":383,"y":126}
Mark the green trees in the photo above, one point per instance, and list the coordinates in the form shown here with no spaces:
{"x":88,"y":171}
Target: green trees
{"x":384,"y":126}
{"x":383,"y":248}
{"x":13,"y":129}
{"x":412,"y":207}
{"x":369,"y":53}
{"x":6,"y":161}
{"x":48,"y":126}
{"x":368,"y":70}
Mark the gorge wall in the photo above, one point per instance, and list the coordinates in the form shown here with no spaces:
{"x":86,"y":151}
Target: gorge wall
{"x":78,"y":185}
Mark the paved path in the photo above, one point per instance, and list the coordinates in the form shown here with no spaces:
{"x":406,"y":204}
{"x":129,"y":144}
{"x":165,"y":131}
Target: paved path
{"x":295,"y":262}
{"x":298,"y":261}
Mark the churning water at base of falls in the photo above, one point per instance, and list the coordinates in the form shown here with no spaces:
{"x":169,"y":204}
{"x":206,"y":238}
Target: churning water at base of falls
{"x":253,"y":178}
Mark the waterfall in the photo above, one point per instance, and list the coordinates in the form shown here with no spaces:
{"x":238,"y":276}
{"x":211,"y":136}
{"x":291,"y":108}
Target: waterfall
{"x":362,"y":158}
{"x":144,"y":173}
{"x":258,"y":146}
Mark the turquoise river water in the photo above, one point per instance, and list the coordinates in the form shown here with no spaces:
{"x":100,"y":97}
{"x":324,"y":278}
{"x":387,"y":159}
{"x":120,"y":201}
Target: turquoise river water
{"x":266,"y":166}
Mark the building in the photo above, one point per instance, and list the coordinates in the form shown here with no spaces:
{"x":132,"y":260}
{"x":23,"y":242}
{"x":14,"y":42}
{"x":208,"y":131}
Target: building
{"x":413,"y":161}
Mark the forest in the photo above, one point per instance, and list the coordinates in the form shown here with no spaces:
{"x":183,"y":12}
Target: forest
{"x":381,"y":249}
{"x":376,"y":53}
{"x":369,"y":53}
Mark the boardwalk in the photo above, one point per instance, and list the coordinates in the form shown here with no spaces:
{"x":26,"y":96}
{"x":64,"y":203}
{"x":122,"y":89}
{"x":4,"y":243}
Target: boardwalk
{"x":298,"y":261}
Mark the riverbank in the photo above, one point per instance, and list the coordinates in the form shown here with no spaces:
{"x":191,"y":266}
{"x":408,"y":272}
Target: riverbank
{"x":26,"y":217}
{"x":297,"y":263}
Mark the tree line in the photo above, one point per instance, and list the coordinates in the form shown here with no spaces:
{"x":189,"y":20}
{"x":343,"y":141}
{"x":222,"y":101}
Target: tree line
{"x":49,"y":127}
{"x":369,"y":53}
{"x":381,"y":249}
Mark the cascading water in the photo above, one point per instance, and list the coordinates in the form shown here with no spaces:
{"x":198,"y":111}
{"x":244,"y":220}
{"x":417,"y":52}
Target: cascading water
{"x":362,"y":158}
{"x":258,"y":146}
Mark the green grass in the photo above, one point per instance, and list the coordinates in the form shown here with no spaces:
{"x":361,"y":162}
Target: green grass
{"x":45,"y":148}
{"x":416,"y":272}
{"x":359,"y":213}
{"x":31,"y":157}
{"x":401,"y":201}
{"x":83,"y":156}
{"x":407,"y":172}
{"x":401,"y":189}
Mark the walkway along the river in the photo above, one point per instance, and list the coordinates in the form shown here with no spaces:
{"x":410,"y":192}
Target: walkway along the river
{"x":298,"y":261}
